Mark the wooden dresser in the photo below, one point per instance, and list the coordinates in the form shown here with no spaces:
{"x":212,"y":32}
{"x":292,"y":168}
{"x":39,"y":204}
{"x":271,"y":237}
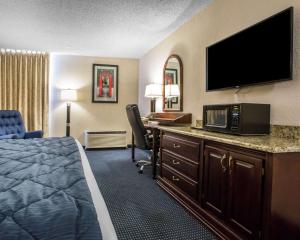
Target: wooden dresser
{"x":231,"y":189}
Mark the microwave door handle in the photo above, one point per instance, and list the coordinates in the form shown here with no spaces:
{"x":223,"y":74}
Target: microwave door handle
{"x":227,"y":117}
{"x":228,"y":123}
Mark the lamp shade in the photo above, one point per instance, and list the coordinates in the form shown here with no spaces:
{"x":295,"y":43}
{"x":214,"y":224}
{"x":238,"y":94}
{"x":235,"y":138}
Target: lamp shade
{"x":153,"y":90}
{"x":68,"y":95}
{"x":172,"y":90}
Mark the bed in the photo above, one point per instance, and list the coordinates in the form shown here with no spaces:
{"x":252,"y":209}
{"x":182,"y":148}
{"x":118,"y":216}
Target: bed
{"x":48,"y":191}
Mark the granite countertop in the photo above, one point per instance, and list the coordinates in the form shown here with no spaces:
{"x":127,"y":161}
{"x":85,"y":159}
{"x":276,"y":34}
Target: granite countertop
{"x":268,"y":143}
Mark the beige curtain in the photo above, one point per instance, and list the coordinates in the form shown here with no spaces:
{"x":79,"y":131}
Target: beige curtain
{"x":24,"y":86}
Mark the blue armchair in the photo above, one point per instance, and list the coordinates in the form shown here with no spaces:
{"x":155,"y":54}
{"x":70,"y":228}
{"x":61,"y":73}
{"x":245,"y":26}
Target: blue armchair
{"x":12,"y":126}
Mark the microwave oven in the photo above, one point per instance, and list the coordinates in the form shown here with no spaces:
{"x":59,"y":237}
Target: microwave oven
{"x":240,"y":119}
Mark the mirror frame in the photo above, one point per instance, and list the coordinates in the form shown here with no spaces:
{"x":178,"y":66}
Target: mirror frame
{"x":181,"y":85}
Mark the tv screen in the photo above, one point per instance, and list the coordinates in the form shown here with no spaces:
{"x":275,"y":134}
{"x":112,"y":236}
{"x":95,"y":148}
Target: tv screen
{"x":261,"y":53}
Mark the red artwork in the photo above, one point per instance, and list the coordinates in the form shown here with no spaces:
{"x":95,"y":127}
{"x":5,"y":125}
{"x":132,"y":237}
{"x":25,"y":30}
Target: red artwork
{"x":105,"y":79}
{"x":105,"y":83}
{"x":168,"y":78}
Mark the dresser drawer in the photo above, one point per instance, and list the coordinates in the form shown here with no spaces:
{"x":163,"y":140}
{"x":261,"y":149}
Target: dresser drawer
{"x":181,"y":165}
{"x":189,"y":187}
{"x":183,"y":147}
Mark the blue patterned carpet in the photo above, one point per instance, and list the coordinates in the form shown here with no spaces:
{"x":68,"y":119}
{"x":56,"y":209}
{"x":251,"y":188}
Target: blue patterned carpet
{"x":139,"y":208}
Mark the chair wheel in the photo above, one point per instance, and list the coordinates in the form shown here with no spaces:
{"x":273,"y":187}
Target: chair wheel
{"x":140,"y":172}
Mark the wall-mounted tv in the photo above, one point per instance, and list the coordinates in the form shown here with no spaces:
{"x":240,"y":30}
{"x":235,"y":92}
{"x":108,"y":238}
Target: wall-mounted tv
{"x":259,"y":54}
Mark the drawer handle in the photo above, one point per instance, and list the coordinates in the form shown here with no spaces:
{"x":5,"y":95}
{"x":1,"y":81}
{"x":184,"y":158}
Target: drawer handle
{"x":222,"y":163}
{"x":176,"y":146}
{"x":175,"y":179}
{"x":176,"y":163}
{"x":230,"y":164}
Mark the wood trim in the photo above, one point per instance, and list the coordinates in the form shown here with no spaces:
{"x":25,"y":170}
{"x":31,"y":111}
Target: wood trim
{"x":267,"y":196}
{"x":254,"y":165}
{"x":185,"y":177}
{"x":182,"y":137}
{"x":117,"y":83}
{"x":176,"y":155}
{"x":279,"y":202}
{"x":200,"y":172}
{"x":237,"y":149}
{"x":284,"y":209}
{"x":181,"y":83}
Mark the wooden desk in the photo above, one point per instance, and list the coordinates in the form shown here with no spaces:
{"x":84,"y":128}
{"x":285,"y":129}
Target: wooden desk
{"x":241,"y":187}
{"x":168,"y":118}
{"x":260,"y":175}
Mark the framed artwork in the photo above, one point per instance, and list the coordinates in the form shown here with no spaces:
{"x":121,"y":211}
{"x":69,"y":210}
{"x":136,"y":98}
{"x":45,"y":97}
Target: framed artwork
{"x":105,"y":83}
{"x":171,"y":78}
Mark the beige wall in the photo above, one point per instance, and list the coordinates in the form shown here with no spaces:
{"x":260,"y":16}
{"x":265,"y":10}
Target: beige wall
{"x":217,"y":21}
{"x":76,"y":72}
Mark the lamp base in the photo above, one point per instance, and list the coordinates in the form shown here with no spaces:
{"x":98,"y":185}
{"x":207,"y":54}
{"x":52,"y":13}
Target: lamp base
{"x":68,"y":120}
{"x":153,"y":103}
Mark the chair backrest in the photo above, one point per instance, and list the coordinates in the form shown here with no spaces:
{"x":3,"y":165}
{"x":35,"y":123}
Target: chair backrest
{"x":137,"y":126}
{"x":11,"y":122}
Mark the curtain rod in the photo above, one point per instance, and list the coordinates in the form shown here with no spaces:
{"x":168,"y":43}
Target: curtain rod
{"x":22,"y":51}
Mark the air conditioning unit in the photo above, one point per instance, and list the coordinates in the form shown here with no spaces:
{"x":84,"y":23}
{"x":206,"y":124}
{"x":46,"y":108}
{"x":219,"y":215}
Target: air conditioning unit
{"x":105,"y":139}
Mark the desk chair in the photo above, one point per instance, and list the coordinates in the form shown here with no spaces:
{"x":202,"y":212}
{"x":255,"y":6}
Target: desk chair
{"x":142,"y":138}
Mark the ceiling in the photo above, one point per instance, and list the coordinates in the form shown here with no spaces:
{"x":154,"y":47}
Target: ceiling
{"x":111,"y":28}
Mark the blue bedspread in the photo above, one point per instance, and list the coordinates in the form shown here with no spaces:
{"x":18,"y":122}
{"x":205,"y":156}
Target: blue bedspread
{"x":43,"y":191}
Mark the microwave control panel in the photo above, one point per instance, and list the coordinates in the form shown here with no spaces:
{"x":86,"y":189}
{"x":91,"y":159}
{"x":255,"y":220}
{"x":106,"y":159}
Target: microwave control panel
{"x":235,"y":117}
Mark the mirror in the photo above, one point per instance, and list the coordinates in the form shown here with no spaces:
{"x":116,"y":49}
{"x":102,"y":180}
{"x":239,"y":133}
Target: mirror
{"x":173,"y":84}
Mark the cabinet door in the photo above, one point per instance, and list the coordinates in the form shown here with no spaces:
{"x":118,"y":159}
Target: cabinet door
{"x":215,"y":180}
{"x":244,"y":200}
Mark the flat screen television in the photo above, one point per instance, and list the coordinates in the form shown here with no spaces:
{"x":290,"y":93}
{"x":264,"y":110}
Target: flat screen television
{"x":259,"y":54}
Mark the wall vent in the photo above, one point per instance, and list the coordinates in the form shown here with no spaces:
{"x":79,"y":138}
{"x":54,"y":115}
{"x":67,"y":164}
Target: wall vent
{"x":105,"y":139}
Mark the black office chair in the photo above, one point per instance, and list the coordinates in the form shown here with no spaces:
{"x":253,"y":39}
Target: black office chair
{"x":143,"y":139}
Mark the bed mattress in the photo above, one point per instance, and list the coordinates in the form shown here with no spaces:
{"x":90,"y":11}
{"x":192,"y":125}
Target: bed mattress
{"x":47,"y":191}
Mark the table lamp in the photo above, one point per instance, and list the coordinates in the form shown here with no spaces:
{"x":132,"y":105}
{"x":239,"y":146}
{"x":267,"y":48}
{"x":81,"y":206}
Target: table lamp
{"x":68,"y":95}
{"x":153,"y":91}
{"x":172,"y":90}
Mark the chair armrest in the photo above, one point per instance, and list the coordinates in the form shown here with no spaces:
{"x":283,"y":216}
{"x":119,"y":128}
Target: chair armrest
{"x":34,"y":134}
{"x":9,"y":136}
